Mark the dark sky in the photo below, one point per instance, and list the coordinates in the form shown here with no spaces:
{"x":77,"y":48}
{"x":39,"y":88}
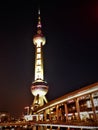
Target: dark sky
{"x":70,"y":54}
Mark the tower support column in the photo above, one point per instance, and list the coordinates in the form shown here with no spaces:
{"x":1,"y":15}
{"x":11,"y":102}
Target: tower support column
{"x":57,"y":112}
{"x":45,"y":115}
{"x":77,"y":108}
{"x":93,"y":108}
{"x":66,"y":111}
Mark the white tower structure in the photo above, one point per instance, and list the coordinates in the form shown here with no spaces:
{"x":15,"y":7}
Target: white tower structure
{"x":39,"y":87}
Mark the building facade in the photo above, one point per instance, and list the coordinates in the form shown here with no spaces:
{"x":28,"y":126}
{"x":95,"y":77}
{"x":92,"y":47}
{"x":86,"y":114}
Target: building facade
{"x":80,"y":105}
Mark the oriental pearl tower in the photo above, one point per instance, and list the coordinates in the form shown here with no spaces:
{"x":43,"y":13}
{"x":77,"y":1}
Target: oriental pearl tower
{"x":39,"y":86}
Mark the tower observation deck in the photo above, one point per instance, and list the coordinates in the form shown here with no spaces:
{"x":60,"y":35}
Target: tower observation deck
{"x":39,"y":87}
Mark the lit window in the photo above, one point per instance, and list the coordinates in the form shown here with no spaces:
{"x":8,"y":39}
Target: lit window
{"x":38,"y":62}
{"x":38,"y":67}
{"x":38,"y":56}
{"x":89,"y":105}
{"x":95,"y":102}
{"x":38,"y":49}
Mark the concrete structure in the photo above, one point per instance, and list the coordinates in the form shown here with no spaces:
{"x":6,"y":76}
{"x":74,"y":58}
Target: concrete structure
{"x":75,"y":110}
{"x":39,"y":87}
{"x":80,"y":105}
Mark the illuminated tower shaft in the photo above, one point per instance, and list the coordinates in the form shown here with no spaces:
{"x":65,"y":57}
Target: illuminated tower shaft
{"x":39,"y":87}
{"x":39,"y":62}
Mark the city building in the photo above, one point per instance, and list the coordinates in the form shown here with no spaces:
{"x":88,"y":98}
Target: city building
{"x":5,"y":117}
{"x":79,"y":105}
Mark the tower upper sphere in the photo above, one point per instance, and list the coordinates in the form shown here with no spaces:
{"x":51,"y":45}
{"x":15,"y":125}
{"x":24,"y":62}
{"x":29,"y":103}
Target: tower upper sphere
{"x":39,"y":37}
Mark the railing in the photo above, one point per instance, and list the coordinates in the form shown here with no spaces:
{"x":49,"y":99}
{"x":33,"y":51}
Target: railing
{"x":69,"y":124}
{"x":8,"y":124}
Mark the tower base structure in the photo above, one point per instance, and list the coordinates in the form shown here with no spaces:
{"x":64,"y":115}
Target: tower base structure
{"x":39,"y":89}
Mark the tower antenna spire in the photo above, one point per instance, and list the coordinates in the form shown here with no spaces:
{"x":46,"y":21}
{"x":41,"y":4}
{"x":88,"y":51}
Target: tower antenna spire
{"x":39,"y":11}
{"x":39,"y":26}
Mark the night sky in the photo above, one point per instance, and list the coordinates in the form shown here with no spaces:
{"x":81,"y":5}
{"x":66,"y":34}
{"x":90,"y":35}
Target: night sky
{"x":70,"y":53}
